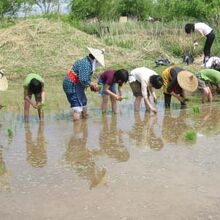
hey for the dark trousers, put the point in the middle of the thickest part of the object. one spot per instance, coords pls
(167, 99)
(208, 44)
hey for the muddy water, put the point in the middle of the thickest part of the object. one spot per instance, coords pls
(129, 166)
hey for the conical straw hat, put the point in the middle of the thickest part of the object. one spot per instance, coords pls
(187, 81)
(98, 54)
(3, 81)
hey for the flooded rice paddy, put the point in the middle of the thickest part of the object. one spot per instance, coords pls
(116, 167)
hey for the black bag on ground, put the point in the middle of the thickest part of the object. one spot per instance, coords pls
(188, 58)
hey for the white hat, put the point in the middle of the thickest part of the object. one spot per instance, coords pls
(187, 81)
(98, 54)
(3, 81)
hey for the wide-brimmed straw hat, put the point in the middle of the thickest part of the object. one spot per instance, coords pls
(3, 81)
(187, 81)
(98, 54)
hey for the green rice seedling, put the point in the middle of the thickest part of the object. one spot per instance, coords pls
(125, 97)
(43, 106)
(10, 133)
(196, 109)
(190, 135)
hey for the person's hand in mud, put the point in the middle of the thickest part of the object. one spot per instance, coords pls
(37, 105)
(40, 105)
(181, 99)
(118, 98)
(153, 110)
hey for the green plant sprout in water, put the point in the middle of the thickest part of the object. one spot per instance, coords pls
(190, 135)
(125, 97)
(10, 133)
(196, 109)
(43, 106)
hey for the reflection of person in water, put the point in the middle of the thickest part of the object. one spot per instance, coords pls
(174, 127)
(110, 140)
(2, 163)
(4, 177)
(36, 150)
(143, 132)
(208, 121)
(81, 158)
(138, 131)
(155, 142)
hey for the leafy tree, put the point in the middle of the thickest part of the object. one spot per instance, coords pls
(45, 6)
(141, 9)
(199, 9)
(101, 9)
(9, 7)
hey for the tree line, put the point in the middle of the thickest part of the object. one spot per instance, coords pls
(112, 9)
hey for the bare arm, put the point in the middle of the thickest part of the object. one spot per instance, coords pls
(27, 98)
(153, 93)
(109, 92)
(42, 96)
(149, 105)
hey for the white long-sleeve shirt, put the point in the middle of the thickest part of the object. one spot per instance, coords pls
(142, 75)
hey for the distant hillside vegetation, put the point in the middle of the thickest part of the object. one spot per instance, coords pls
(49, 47)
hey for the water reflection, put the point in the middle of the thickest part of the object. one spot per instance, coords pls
(143, 132)
(81, 158)
(36, 150)
(208, 120)
(111, 141)
(174, 127)
(4, 175)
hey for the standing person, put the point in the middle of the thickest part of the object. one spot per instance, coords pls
(208, 78)
(175, 81)
(79, 78)
(205, 31)
(33, 85)
(108, 81)
(3, 83)
(143, 81)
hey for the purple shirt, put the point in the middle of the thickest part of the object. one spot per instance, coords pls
(107, 77)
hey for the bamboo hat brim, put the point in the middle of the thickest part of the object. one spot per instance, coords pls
(187, 81)
(98, 54)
